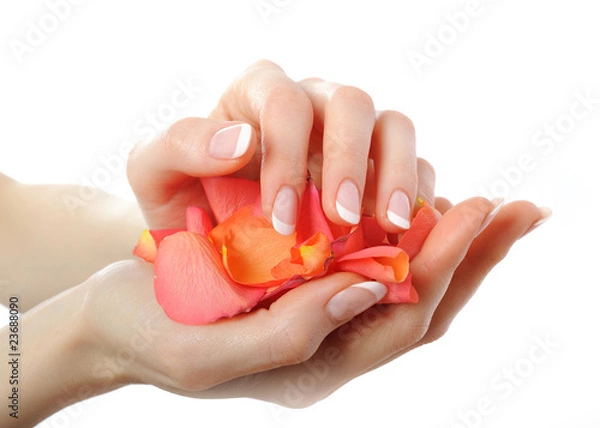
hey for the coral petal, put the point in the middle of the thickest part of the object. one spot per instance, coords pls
(226, 195)
(312, 219)
(415, 236)
(383, 263)
(198, 221)
(191, 285)
(352, 242)
(373, 233)
(401, 292)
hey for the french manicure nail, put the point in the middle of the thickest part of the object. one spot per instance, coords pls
(285, 209)
(497, 203)
(398, 211)
(231, 142)
(348, 202)
(546, 214)
(355, 299)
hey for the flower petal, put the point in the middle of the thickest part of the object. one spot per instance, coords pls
(373, 233)
(191, 285)
(251, 248)
(307, 259)
(149, 242)
(401, 292)
(421, 225)
(198, 221)
(226, 195)
(383, 263)
(352, 242)
(311, 218)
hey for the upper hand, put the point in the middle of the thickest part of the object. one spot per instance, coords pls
(268, 127)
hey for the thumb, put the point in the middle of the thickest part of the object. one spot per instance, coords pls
(194, 147)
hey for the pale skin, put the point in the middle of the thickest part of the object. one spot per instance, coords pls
(86, 333)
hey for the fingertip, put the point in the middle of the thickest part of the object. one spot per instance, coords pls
(348, 202)
(351, 301)
(231, 142)
(285, 211)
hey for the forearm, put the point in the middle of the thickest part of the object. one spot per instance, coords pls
(50, 238)
(49, 358)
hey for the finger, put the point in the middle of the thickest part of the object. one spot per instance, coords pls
(267, 98)
(488, 249)
(426, 182)
(288, 333)
(383, 331)
(442, 204)
(160, 169)
(346, 116)
(394, 153)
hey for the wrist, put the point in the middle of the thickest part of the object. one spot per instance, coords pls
(57, 354)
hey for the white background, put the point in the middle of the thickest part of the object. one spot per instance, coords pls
(491, 85)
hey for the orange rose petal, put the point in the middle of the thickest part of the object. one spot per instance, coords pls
(423, 222)
(191, 284)
(252, 248)
(226, 195)
(198, 221)
(146, 247)
(218, 234)
(307, 259)
(383, 263)
(149, 241)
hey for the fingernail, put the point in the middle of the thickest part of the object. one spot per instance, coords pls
(497, 203)
(399, 209)
(546, 214)
(285, 209)
(354, 300)
(231, 142)
(348, 202)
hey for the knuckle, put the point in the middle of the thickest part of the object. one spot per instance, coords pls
(291, 345)
(262, 64)
(435, 332)
(354, 96)
(289, 98)
(399, 120)
(425, 166)
(176, 139)
(417, 332)
(311, 81)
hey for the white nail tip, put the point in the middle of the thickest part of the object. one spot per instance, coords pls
(346, 214)
(281, 227)
(243, 140)
(377, 288)
(397, 220)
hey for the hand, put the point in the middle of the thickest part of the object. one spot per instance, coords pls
(270, 354)
(268, 127)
